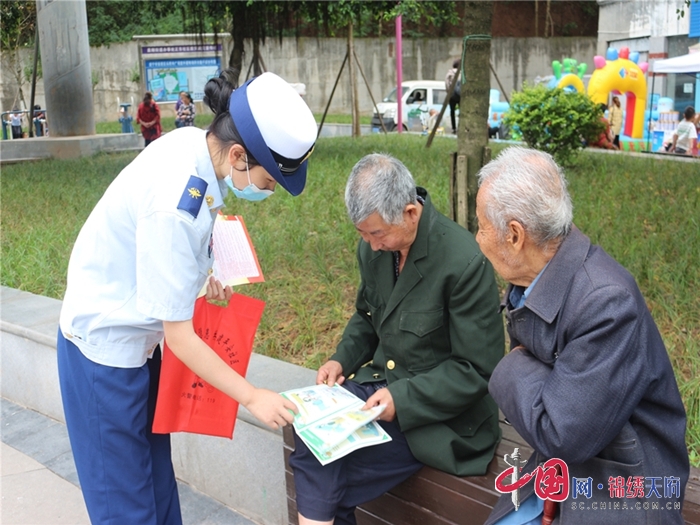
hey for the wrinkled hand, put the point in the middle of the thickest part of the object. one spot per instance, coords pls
(271, 408)
(382, 397)
(217, 292)
(330, 373)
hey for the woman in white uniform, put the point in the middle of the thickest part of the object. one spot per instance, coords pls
(134, 274)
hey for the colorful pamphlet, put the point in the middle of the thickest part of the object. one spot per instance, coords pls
(331, 421)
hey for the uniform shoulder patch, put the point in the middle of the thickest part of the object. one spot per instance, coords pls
(193, 196)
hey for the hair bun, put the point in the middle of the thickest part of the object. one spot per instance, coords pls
(217, 91)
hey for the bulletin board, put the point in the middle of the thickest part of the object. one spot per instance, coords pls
(166, 78)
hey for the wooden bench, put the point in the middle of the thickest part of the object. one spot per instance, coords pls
(432, 497)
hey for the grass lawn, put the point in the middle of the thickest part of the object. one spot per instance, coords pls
(643, 211)
(204, 119)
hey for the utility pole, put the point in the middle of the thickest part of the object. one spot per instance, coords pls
(65, 61)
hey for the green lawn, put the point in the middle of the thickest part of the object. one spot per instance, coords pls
(643, 211)
(204, 119)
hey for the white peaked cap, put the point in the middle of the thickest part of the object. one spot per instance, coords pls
(276, 126)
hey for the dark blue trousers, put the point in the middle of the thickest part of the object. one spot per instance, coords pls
(125, 471)
(334, 490)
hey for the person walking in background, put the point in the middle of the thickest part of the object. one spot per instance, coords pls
(135, 271)
(685, 137)
(186, 111)
(148, 115)
(615, 117)
(453, 72)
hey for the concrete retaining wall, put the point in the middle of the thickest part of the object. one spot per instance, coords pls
(314, 62)
(246, 473)
(67, 147)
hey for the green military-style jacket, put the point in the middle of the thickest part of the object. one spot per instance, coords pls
(435, 335)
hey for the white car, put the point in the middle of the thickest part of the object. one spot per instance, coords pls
(421, 96)
(418, 98)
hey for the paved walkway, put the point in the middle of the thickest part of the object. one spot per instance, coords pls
(39, 484)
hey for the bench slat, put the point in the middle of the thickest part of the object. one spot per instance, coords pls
(433, 497)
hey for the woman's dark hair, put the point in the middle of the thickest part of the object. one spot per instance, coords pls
(147, 98)
(217, 93)
(457, 63)
(189, 97)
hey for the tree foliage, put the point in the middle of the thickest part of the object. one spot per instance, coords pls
(257, 20)
(680, 13)
(111, 21)
(18, 24)
(554, 120)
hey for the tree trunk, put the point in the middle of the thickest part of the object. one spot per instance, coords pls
(549, 22)
(238, 12)
(353, 84)
(257, 69)
(472, 138)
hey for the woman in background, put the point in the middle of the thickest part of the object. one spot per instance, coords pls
(186, 111)
(148, 115)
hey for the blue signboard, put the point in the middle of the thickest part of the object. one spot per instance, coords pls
(166, 78)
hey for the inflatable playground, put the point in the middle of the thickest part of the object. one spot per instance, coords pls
(620, 73)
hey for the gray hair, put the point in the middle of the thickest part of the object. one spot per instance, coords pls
(379, 183)
(527, 186)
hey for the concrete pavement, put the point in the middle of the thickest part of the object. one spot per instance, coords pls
(39, 484)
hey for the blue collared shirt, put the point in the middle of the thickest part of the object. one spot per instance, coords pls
(518, 294)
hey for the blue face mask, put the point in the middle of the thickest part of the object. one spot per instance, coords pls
(251, 192)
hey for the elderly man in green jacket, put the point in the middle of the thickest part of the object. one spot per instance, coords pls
(424, 339)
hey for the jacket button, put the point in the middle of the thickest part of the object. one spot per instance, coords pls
(375, 376)
(390, 364)
(351, 376)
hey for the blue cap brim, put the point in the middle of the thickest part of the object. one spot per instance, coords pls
(253, 141)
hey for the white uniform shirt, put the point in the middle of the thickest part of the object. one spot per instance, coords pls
(139, 259)
(685, 131)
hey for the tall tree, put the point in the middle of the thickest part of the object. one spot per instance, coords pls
(18, 29)
(472, 138)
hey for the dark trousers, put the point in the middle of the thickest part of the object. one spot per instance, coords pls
(334, 490)
(454, 102)
(125, 471)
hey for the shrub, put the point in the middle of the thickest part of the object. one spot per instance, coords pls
(554, 120)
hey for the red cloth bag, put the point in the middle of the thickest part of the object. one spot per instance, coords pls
(185, 402)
